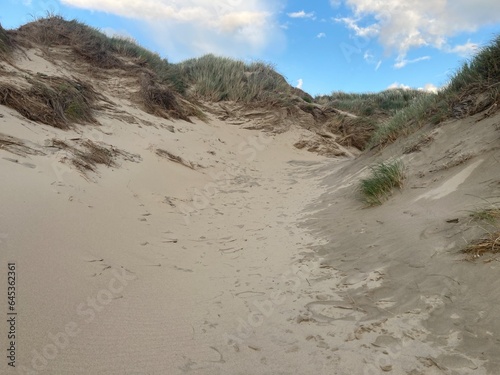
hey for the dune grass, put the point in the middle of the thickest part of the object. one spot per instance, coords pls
(54, 101)
(209, 77)
(405, 121)
(488, 220)
(97, 48)
(218, 78)
(372, 110)
(5, 43)
(384, 178)
(367, 104)
(490, 215)
(479, 76)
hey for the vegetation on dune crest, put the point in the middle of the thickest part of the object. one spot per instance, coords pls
(218, 78)
(166, 89)
(475, 87)
(209, 77)
(367, 104)
(5, 43)
(370, 110)
(405, 121)
(384, 178)
(97, 48)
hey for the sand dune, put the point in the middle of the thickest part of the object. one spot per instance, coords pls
(146, 245)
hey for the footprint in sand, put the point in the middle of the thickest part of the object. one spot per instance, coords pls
(455, 361)
(371, 280)
(327, 311)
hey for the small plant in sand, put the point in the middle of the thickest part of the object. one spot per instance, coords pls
(384, 178)
(417, 145)
(488, 219)
(489, 215)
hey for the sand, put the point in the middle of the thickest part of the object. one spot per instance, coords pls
(248, 257)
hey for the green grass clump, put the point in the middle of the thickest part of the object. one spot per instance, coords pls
(489, 215)
(384, 178)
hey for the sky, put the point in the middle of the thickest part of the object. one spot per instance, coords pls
(320, 46)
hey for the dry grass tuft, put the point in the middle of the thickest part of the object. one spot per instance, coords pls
(353, 131)
(88, 155)
(490, 243)
(321, 146)
(91, 155)
(54, 101)
(457, 160)
(172, 157)
(16, 146)
(422, 141)
(160, 100)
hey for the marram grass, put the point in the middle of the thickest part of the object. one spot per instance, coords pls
(480, 75)
(384, 178)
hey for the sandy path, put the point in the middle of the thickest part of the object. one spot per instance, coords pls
(115, 279)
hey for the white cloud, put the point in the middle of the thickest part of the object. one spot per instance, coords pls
(465, 50)
(352, 23)
(402, 62)
(403, 25)
(397, 85)
(121, 34)
(378, 65)
(428, 87)
(188, 27)
(321, 35)
(300, 83)
(335, 3)
(301, 14)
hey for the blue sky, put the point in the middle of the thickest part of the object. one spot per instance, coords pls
(319, 45)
